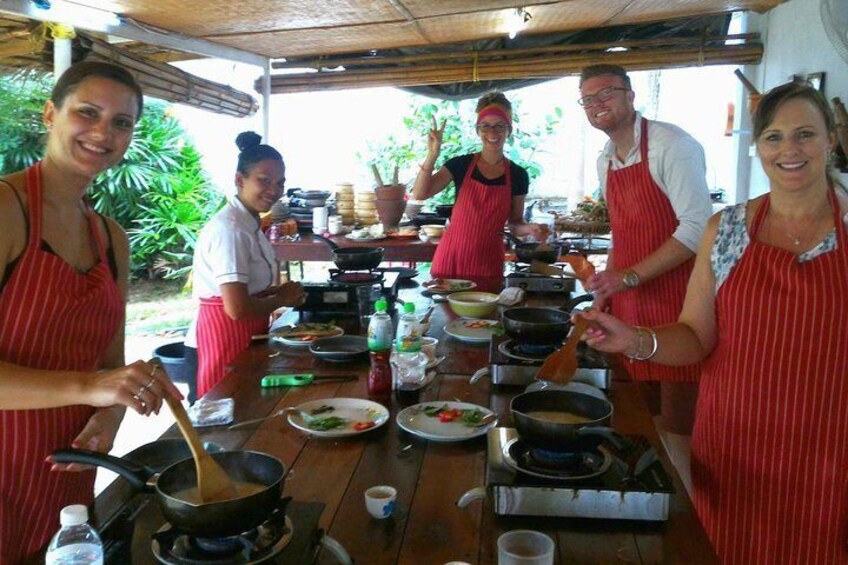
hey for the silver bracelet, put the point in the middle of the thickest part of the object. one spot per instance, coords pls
(654, 345)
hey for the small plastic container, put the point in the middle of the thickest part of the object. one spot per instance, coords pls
(211, 412)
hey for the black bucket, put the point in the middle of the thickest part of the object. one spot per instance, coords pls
(173, 358)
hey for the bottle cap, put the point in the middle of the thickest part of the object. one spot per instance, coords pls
(73, 515)
(381, 305)
(408, 307)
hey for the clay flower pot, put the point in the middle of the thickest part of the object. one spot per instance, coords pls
(390, 191)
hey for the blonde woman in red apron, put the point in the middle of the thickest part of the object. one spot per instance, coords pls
(235, 272)
(766, 307)
(490, 193)
(63, 281)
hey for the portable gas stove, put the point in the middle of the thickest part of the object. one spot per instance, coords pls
(522, 278)
(512, 364)
(338, 295)
(289, 535)
(626, 484)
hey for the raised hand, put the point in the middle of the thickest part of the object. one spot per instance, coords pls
(434, 139)
(140, 386)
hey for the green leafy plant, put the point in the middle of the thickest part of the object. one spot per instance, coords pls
(460, 137)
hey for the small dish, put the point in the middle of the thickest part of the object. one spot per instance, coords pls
(415, 420)
(353, 410)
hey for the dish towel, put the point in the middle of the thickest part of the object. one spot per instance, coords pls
(511, 296)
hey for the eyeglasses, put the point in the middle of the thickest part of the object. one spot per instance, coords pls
(603, 95)
(497, 128)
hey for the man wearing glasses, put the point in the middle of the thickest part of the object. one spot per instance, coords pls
(652, 175)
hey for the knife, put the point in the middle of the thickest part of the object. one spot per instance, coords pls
(302, 379)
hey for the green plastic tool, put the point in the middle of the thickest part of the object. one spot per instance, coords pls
(300, 379)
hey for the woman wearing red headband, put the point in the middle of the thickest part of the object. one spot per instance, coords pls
(489, 193)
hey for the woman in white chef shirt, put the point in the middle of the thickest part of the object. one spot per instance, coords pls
(235, 270)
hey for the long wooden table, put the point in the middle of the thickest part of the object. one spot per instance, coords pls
(427, 527)
(309, 248)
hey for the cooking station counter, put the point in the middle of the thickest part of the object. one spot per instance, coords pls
(427, 526)
(309, 248)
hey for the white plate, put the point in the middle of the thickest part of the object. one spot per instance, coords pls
(432, 363)
(451, 285)
(458, 329)
(416, 422)
(280, 335)
(365, 238)
(353, 409)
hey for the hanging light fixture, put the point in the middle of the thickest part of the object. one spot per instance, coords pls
(517, 21)
(73, 14)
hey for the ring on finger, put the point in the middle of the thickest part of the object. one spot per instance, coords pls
(153, 371)
(151, 382)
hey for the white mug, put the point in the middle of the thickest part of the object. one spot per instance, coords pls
(319, 217)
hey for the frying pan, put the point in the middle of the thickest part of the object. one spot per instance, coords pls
(541, 326)
(556, 436)
(529, 252)
(213, 519)
(355, 258)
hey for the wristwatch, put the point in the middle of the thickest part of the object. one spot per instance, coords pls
(630, 279)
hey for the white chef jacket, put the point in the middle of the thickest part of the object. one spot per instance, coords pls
(678, 166)
(231, 248)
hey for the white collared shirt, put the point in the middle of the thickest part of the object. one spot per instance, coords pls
(231, 248)
(678, 166)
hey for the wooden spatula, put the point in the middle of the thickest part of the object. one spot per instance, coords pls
(561, 365)
(213, 482)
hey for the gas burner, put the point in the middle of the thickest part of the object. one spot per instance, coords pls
(171, 546)
(355, 277)
(525, 351)
(554, 465)
(522, 278)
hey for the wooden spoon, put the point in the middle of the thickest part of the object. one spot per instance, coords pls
(560, 366)
(213, 482)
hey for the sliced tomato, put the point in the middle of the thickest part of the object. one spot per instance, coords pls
(449, 415)
(361, 426)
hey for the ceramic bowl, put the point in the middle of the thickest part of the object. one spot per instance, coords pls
(473, 304)
(433, 230)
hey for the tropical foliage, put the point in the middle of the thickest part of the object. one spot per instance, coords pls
(460, 137)
(158, 192)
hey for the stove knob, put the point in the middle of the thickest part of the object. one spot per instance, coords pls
(522, 285)
(558, 286)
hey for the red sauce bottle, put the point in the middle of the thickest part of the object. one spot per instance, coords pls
(380, 375)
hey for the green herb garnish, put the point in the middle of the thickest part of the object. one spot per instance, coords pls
(325, 424)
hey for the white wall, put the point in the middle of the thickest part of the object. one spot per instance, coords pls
(795, 44)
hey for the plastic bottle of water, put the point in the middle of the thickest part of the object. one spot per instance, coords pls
(380, 328)
(410, 363)
(76, 542)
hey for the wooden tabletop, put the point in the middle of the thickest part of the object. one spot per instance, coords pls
(309, 248)
(428, 526)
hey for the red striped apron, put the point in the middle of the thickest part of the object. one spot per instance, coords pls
(52, 317)
(219, 341)
(642, 219)
(471, 247)
(770, 446)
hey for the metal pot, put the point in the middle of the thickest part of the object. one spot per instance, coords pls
(556, 436)
(541, 326)
(529, 252)
(355, 258)
(213, 519)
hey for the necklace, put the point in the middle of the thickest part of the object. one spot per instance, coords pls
(797, 238)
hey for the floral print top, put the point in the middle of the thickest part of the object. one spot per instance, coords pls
(732, 240)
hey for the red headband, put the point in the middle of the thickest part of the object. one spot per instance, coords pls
(495, 110)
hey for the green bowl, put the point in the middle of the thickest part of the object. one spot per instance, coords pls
(473, 304)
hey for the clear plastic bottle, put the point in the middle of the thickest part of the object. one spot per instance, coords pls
(76, 542)
(410, 362)
(380, 328)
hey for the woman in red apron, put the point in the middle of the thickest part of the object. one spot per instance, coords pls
(490, 193)
(63, 279)
(235, 272)
(768, 303)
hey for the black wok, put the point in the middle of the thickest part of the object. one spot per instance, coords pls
(541, 326)
(355, 258)
(214, 519)
(529, 252)
(556, 436)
